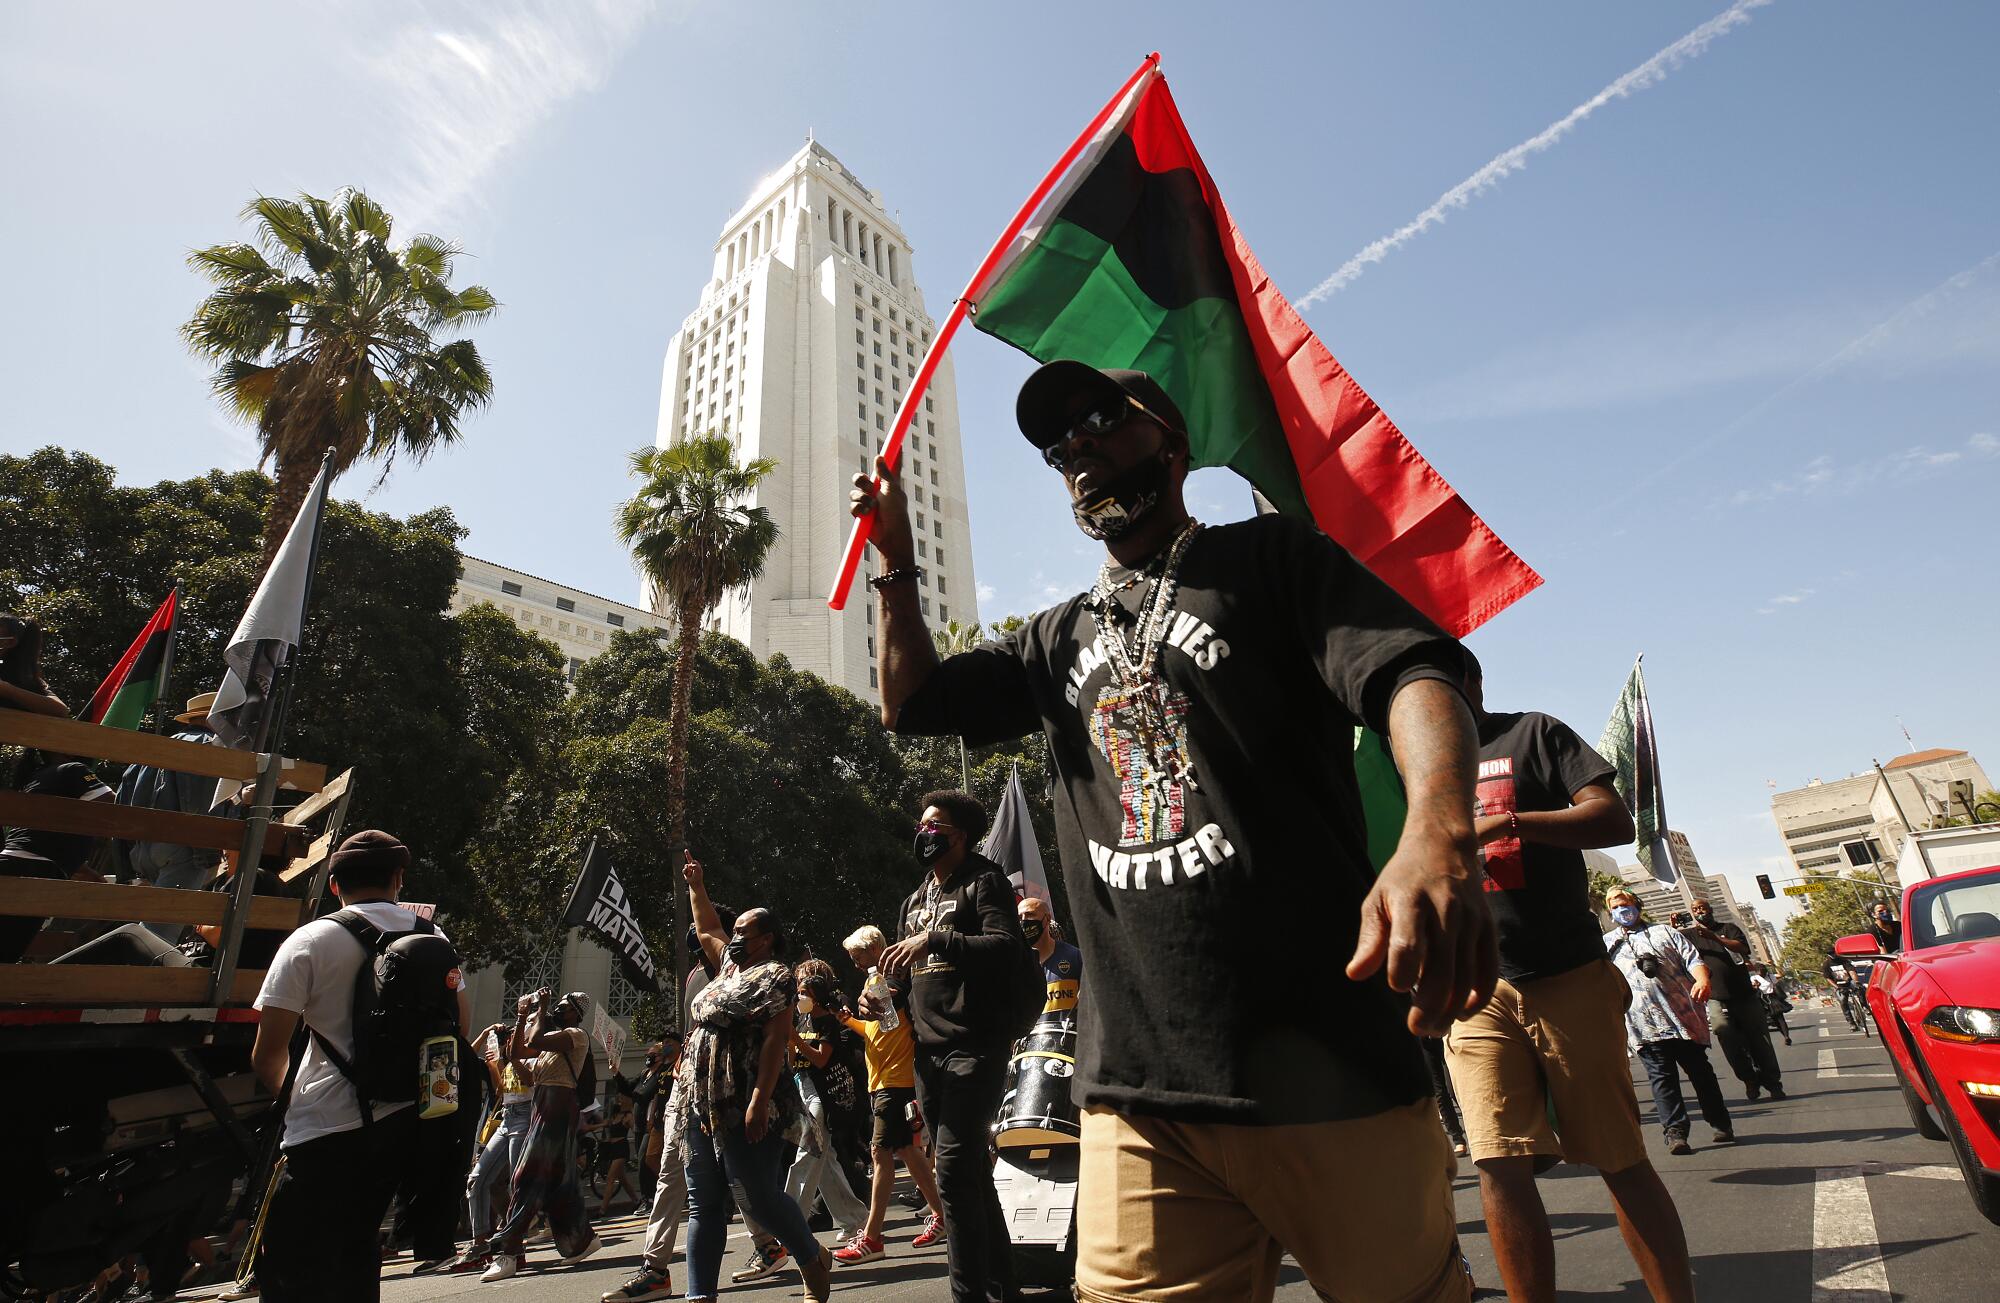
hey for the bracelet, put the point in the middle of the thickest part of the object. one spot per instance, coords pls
(902, 574)
(1514, 822)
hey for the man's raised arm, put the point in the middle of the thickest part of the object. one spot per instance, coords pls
(908, 656)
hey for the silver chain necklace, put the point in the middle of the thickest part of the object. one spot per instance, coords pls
(1136, 665)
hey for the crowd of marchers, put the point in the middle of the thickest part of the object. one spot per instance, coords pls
(1227, 1111)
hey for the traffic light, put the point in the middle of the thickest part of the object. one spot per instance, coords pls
(1764, 885)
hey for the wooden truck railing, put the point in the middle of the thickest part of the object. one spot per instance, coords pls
(295, 843)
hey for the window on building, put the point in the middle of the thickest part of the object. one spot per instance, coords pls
(510, 588)
(921, 549)
(543, 970)
(920, 520)
(859, 315)
(934, 475)
(924, 578)
(614, 619)
(878, 423)
(878, 395)
(871, 683)
(574, 666)
(876, 325)
(870, 608)
(878, 348)
(860, 384)
(621, 998)
(894, 338)
(861, 410)
(871, 646)
(875, 302)
(940, 577)
(927, 605)
(930, 427)
(878, 370)
(944, 612)
(565, 604)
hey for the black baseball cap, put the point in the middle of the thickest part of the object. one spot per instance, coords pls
(1043, 411)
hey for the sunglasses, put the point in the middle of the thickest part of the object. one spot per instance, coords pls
(1096, 423)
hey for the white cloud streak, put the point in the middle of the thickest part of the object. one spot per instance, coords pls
(1649, 73)
(457, 97)
(1823, 476)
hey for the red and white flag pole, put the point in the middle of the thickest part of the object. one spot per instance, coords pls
(892, 451)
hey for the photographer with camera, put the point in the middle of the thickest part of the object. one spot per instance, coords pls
(1666, 1024)
(1738, 1014)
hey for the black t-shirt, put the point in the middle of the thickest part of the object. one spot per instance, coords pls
(1540, 894)
(1217, 914)
(67, 851)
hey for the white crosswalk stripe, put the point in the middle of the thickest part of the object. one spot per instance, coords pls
(1847, 1264)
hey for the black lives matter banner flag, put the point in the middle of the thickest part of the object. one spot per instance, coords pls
(598, 904)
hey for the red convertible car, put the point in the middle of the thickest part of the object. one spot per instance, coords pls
(1938, 1007)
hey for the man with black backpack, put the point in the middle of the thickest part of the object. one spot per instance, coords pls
(371, 984)
(974, 986)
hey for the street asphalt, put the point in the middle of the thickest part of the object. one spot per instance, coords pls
(1828, 1196)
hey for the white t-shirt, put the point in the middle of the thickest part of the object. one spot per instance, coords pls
(313, 974)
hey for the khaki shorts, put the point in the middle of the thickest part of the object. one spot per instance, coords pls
(1541, 1071)
(1203, 1212)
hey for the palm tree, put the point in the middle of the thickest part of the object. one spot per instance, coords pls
(951, 640)
(694, 539)
(325, 337)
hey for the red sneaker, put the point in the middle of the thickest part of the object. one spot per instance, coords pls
(932, 1234)
(861, 1248)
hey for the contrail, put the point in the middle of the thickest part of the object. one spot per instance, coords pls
(1646, 74)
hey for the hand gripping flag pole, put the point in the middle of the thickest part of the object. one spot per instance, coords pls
(892, 451)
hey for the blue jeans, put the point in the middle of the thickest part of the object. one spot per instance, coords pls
(759, 1170)
(1665, 1061)
(496, 1165)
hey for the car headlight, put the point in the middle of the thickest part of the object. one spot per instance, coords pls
(1963, 1023)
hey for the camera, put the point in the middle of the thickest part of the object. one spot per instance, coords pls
(1682, 919)
(1649, 965)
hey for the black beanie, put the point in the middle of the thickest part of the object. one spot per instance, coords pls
(369, 859)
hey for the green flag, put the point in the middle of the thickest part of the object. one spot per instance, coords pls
(1629, 745)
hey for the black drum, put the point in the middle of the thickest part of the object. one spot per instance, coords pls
(1037, 1109)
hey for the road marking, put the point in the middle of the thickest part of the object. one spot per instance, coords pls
(1847, 1262)
(1829, 1069)
(1927, 1171)
(1825, 1030)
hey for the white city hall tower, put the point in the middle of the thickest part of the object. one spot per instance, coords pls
(806, 339)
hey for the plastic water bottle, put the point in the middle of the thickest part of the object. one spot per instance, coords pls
(877, 988)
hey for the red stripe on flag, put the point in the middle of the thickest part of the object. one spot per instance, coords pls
(1369, 488)
(107, 691)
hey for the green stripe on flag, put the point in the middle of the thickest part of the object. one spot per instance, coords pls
(1072, 297)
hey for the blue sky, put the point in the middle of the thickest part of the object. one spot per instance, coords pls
(1720, 360)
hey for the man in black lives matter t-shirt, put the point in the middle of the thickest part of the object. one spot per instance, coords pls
(1200, 705)
(1552, 1039)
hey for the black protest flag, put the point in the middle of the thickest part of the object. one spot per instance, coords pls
(598, 904)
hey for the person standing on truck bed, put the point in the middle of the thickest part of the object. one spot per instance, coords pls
(340, 1173)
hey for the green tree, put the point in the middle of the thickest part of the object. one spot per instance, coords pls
(326, 336)
(952, 639)
(1838, 910)
(695, 539)
(1602, 884)
(434, 712)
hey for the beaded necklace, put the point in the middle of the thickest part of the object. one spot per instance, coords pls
(1136, 664)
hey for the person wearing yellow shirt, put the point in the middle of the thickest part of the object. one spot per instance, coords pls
(892, 1088)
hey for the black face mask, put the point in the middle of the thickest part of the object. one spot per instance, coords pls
(1031, 928)
(930, 847)
(738, 951)
(1116, 509)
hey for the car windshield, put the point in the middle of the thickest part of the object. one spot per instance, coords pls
(1964, 909)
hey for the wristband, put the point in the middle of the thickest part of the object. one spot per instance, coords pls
(902, 574)
(1514, 822)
